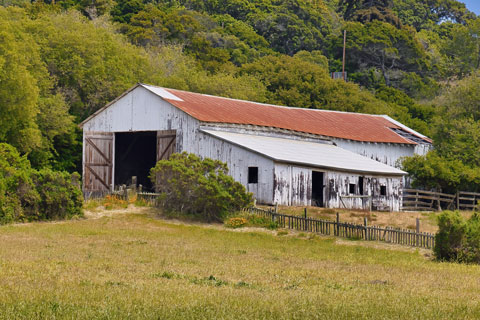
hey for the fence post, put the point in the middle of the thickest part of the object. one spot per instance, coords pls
(305, 226)
(337, 227)
(365, 227)
(458, 200)
(417, 228)
(125, 193)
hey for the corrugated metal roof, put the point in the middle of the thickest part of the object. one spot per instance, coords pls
(306, 153)
(345, 125)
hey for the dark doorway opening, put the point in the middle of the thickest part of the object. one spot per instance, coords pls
(360, 186)
(135, 155)
(317, 189)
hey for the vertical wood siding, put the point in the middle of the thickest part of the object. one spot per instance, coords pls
(387, 153)
(292, 185)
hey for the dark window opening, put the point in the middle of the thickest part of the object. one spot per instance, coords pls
(383, 190)
(360, 186)
(252, 174)
(135, 155)
(317, 189)
(352, 188)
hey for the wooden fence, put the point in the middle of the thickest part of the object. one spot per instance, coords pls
(349, 230)
(418, 200)
(148, 197)
(467, 200)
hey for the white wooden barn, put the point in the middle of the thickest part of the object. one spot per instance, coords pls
(288, 156)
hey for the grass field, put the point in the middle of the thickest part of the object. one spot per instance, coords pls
(135, 266)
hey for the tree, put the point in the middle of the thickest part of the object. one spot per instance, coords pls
(365, 11)
(292, 81)
(381, 46)
(429, 13)
(33, 113)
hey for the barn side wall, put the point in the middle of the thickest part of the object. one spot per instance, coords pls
(337, 191)
(387, 153)
(238, 160)
(293, 186)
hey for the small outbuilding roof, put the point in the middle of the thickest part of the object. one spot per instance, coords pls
(310, 154)
(336, 124)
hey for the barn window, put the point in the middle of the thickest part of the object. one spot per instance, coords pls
(352, 188)
(383, 190)
(252, 174)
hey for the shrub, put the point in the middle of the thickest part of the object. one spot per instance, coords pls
(189, 185)
(27, 194)
(60, 194)
(458, 239)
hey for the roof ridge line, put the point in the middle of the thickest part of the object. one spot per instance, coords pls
(267, 104)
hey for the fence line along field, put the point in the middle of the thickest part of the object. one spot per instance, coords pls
(137, 266)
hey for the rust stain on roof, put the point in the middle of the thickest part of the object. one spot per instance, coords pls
(351, 126)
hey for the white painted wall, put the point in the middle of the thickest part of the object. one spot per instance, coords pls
(337, 184)
(293, 186)
(387, 153)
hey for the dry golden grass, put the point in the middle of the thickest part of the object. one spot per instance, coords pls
(404, 220)
(135, 266)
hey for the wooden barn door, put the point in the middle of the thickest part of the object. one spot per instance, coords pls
(98, 163)
(166, 143)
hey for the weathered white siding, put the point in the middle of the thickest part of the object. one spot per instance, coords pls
(387, 153)
(238, 160)
(141, 110)
(337, 191)
(293, 186)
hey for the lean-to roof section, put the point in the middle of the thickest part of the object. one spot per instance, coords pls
(344, 125)
(309, 154)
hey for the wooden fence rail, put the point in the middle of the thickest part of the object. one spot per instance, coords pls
(349, 230)
(418, 200)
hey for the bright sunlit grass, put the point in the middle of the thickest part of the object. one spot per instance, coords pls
(138, 267)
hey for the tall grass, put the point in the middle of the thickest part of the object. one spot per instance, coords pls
(139, 267)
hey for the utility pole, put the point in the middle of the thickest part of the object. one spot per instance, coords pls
(344, 44)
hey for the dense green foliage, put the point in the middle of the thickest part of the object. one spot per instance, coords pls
(29, 195)
(198, 188)
(417, 62)
(458, 239)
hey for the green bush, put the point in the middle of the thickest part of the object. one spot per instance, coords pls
(27, 194)
(199, 188)
(458, 239)
(60, 194)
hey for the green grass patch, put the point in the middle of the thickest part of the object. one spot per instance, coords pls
(139, 267)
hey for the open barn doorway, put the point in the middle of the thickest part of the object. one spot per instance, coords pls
(317, 189)
(135, 155)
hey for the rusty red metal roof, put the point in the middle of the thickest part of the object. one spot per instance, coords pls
(344, 125)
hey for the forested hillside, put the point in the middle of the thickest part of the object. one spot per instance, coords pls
(416, 61)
